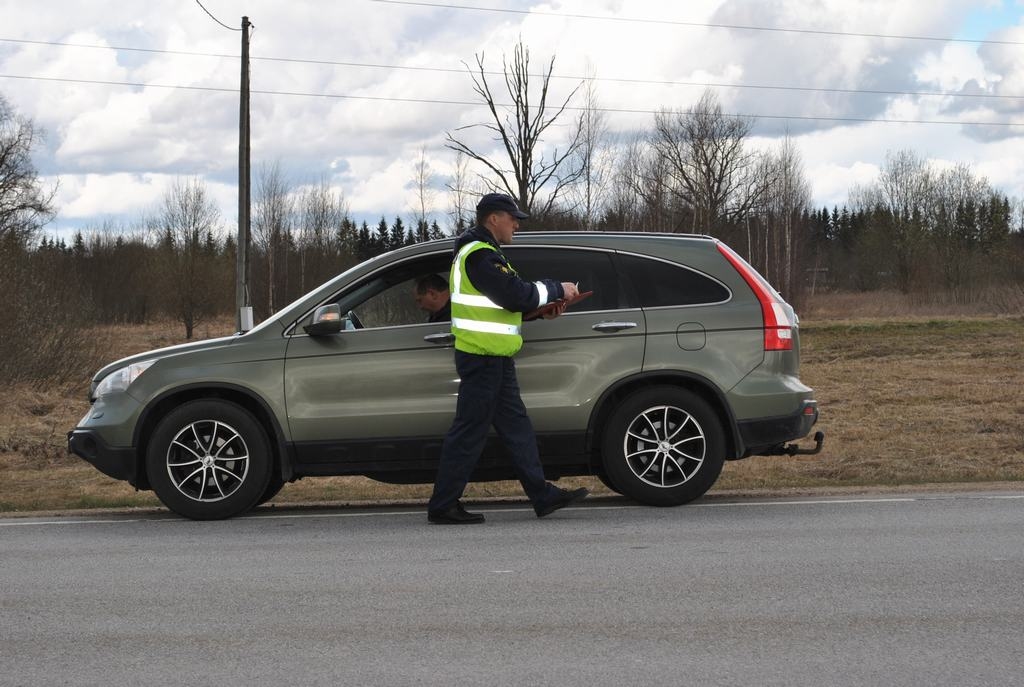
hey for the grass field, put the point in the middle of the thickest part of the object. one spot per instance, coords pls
(906, 398)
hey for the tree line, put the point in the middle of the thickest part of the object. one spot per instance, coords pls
(180, 262)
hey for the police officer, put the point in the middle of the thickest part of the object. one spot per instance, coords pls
(488, 301)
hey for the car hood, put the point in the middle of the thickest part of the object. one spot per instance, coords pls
(164, 352)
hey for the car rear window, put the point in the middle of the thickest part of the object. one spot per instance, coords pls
(659, 283)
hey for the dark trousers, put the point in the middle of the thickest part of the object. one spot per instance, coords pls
(488, 395)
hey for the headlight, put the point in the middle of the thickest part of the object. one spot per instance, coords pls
(119, 380)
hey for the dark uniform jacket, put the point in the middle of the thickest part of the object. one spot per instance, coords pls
(491, 274)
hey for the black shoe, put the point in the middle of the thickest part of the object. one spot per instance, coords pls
(563, 499)
(456, 515)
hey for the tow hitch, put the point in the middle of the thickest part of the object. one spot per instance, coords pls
(795, 450)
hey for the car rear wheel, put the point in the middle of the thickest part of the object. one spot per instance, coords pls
(663, 446)
(209, 460)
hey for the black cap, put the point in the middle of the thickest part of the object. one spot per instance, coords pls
(492, 202)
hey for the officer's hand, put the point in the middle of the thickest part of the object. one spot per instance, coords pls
(570, 290)
(556, 311)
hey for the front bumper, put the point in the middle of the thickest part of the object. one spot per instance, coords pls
(764, 435)
(118, 463)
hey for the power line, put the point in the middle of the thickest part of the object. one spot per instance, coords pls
(230, 28)
(464, 103)
(443, 70)
(217, 89)
(669, 22)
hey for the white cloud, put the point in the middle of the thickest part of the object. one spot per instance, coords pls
(831, 183)
(89, 195)
(85, 196)
(952, 67)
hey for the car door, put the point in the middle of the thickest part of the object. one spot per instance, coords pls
(568, 362)
(382, 391)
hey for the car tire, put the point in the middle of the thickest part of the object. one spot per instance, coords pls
(209, 460)
(607, 482)
(274, 486)
(663, 446)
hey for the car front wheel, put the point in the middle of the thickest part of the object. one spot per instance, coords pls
(209, 460)
(663, 446)
(274, 486)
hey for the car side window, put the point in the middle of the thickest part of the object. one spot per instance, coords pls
(392, 307)
(593, 270)
(387, 299)
(659, 283)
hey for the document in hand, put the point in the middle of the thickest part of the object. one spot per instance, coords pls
(549, 308)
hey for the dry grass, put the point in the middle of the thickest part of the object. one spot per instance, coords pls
(1008, 300)
(905, 400)
(908, 402)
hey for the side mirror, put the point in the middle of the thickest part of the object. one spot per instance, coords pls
(326, 321)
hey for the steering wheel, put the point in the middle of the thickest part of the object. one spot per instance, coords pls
(354, 319)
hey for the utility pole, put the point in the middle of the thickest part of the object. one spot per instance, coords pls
(242, 304)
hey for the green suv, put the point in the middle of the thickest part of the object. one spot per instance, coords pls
(683, 357)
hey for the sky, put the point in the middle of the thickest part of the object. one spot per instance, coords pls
(339, 87)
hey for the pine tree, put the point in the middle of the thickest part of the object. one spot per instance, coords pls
(383, 238)
(364, 242)
(397, 239)
(210, 245)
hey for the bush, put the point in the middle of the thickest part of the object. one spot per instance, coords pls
(43, 316)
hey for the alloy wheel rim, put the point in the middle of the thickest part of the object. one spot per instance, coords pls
(664, 446)
(207, 461)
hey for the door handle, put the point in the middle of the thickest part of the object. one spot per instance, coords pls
(443, 339)
(613, 326)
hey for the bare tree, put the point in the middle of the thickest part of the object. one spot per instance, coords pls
(187, 216)
(901, 194)
(25, 205)
(623, 201)
(788, 197)
(422, 180)
(461, 195)
(641, 199)
(527, 170)
(321, 216)
(967, 221)
(711, 169)
(272, 221)
(592, 157)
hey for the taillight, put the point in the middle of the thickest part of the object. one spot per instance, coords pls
(778, 330)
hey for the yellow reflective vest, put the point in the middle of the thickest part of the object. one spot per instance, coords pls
(480, 325)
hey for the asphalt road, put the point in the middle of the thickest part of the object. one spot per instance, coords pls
(888, 590)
